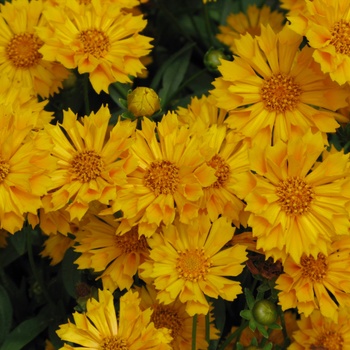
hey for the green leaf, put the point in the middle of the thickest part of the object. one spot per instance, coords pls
(246, 314)
(26, 331)
(19, 240)
(5, 314)
(262, 330)
(249, 298)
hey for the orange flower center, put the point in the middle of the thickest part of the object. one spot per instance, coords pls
(86, 165)
(193, 265)
(166, 316)
(162, 177)
(130, 242)
(94, 42)
(22, 50)
(280, 93)
(84, 2)
(295, 195)
(314, 269)
(4, 170)
(329, 340)
(341, 37)
(222, 171)
(114, 343)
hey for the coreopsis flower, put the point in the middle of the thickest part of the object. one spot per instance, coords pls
(116, 256)
(319, 332)
(143, 102)
(321, 283)
(92, 160)
(294, 7)
(249, 22)
(99, 327)
(174, 317)
(20, 59)
(25, 163)
(297, 203)
(100, 39)
(190, 262)
(276, 89)
(326, 26)
(169, 179)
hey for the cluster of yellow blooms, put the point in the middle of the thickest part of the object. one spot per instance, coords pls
(163, 200)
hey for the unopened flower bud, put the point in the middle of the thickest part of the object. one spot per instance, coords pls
(143, 102)
(212, 59)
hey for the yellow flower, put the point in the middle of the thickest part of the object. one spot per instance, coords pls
(190, 262)
(101, 40)
(326, 26)
(20, 58)
(250, 22)
(143, 102)
(320, 332)
(174, 317)
(321, 283)
(297, 203)
(170, 177)
(276, 89)
(294, 7)
(116, 256)
(99, 329)
(25, 162)
(91, 160)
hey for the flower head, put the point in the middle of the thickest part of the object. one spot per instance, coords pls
(297, 202)
(91, 160)
(320, 283)
(191, 262)
(100, 39)
(20, 59)
(99, 328)
(326, 26)
(276, 89)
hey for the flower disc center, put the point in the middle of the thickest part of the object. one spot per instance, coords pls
(22, 50)
(165, 316)
(162, 177)
(280, 93)
(114, 343)
(330, 339)
(295, 195)
(314, 269)
(87, 165)
(95, 42)
(222, 171)
(4, 170)
(341, 37)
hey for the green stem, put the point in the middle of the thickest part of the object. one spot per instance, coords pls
(194, 332)
(86, 93)
(208, 25)
(34, 269)
(234, 335)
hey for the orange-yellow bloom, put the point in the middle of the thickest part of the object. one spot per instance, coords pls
(277, 89)
(190, 262)
(20, 59)
(169, 179)
(100, 39)
(99, 327)
(297, 202)
(321, 283)
(92, 160)
(326, 26)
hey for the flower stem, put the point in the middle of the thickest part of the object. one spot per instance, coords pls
(234, 335)
(194, 332)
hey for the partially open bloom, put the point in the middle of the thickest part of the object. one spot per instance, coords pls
(99, 327)
(174, 317)
(91, 159)
(326, 26)
(55, 247)
(20, 59)
(249, 22)
(319, 332)
(115, 256)
(276, 89)
(191, 261)
(321, 283)
(100, 39)
(297, 202)
(169, 178)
